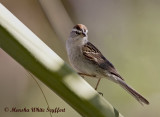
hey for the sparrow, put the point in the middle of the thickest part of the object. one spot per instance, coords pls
(87, 60)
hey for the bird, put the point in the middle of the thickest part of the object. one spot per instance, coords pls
(87, 60)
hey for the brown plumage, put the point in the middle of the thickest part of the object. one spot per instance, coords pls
(87, 60)
(80, 27)
(93, 54)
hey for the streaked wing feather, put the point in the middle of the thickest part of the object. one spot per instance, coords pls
(93, 54)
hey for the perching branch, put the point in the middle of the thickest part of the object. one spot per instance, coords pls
(27, 49)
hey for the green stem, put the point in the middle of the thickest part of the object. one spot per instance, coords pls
(27, 49)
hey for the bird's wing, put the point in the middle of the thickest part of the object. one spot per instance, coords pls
(91, 53)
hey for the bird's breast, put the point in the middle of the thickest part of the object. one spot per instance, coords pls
(79, 62)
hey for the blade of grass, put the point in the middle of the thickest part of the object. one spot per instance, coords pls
(27, 49)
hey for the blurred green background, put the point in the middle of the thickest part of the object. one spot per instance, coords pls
(126, 31)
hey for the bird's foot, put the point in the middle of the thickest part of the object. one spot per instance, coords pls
(100, 93)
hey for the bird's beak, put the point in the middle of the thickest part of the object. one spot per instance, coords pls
(84, 34)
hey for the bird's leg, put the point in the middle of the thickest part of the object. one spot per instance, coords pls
(97, 83)
(83, 74)
(97, 86)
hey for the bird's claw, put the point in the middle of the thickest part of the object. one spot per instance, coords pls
(100, 93)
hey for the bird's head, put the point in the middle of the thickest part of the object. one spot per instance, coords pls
(79, 31)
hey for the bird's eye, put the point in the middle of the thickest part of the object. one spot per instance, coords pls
(77, 32)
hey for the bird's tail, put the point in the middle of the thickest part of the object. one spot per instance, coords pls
(133, 92)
